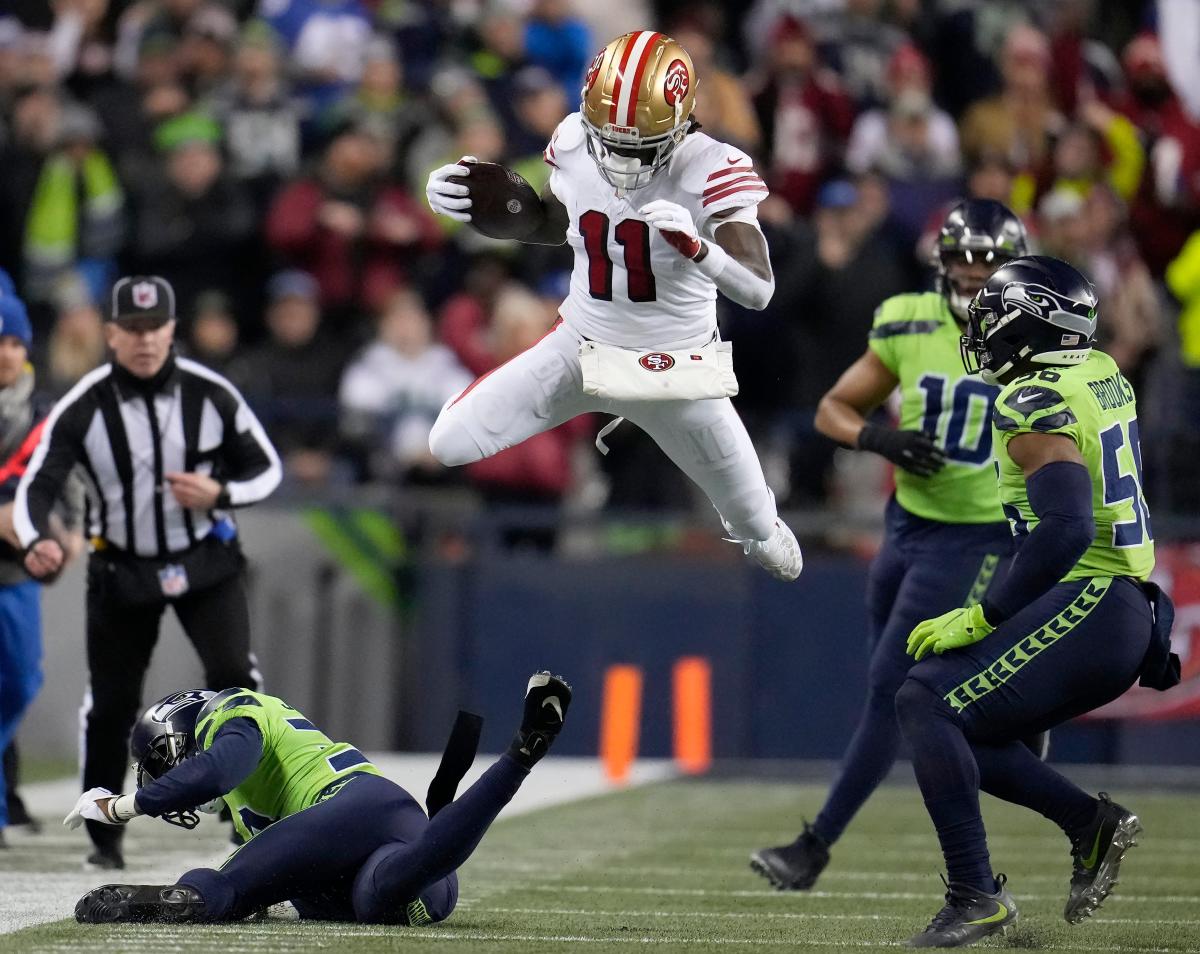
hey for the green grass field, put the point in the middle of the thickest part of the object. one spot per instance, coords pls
(666, 866)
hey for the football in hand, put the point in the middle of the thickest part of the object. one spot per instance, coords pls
(503, 204)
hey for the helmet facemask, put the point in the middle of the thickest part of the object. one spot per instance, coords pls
(627, 160)
(166, 752)
(957, 300)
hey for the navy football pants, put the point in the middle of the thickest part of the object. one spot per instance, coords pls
(924, 569)
(1076, 648)
(368, 853)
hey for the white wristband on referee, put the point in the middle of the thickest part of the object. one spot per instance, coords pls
(124, 807)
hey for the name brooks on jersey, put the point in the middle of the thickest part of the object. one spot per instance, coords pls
(628, 286)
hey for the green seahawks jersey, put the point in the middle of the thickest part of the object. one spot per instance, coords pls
(916, 337)
(298, 764)
(1094, 405)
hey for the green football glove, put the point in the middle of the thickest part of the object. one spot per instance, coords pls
(960, 627)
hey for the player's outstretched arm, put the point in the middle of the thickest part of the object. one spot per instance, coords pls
(842, 416)
(448, 195)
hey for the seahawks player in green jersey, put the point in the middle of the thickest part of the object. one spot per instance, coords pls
(946, 537)
(1072, 625)
(325, 830)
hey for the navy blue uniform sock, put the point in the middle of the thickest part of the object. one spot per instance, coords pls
(1012, 772)
(399, 873)
(949, 779)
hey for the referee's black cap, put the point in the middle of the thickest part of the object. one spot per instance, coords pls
(143, 296)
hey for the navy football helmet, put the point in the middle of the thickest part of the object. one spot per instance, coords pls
(976, 230)
(163, 737)
(1035, 310)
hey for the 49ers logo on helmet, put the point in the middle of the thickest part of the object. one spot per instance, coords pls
(656, 361)
(676, 82)
(593, 71)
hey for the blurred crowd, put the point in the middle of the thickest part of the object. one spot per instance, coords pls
(269, 158)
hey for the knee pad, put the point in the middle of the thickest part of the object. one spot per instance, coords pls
(450, 443)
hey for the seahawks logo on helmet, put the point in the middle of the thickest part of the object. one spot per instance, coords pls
(1041, 302)
(1034, 310)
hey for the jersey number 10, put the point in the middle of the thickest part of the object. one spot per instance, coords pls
(634, 236)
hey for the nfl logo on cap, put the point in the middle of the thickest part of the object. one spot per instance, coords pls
(145, 295)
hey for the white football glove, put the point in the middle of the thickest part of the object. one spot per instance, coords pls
(676, 225)
(88, 808)
(450, 198)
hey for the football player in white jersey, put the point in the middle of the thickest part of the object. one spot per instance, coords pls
(661, 216)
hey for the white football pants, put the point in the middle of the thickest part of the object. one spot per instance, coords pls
(543, 387)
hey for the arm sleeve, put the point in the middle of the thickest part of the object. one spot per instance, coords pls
(1060, 493)
(58, 451)
(229, 761)
(251, 467)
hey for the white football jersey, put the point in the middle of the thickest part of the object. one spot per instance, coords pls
(630, 287)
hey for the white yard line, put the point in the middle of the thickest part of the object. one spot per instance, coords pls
(42, 876)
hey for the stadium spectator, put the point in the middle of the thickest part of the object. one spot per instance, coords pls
(538, 470)
(466, 317)
(326, 42)
(358, 233)
(858, 42)
(558, 40)
(804, 115)
(206, 49)
(500, 55)
(260, 118)
(75, 205)
(291, 379)
(213, 334)
(846, 269)
(725, 110)
(193, 221)
(391, 393)
(76, 343)
(1021, 121)
(382, 99)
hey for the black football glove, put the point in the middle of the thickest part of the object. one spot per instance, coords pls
(915, 451)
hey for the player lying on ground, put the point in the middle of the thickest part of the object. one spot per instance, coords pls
(661, 218)
(326, 831)
(946, 539)
(1073, 624)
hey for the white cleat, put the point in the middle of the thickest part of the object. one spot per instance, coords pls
(779, 554)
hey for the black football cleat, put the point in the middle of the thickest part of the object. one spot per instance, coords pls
(140, 904)
(547, 698)
(1097, 855)
(106, 859)
(969, 915)
(793, 867)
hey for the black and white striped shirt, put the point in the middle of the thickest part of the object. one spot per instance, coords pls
(127, 436)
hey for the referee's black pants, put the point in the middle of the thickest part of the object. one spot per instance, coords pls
(120, 641)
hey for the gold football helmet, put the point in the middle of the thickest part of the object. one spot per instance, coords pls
(637, 102)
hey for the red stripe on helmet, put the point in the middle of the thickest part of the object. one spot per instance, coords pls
(631, 119)
(616, 90)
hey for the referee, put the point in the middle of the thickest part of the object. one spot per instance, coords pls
(168, 448)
